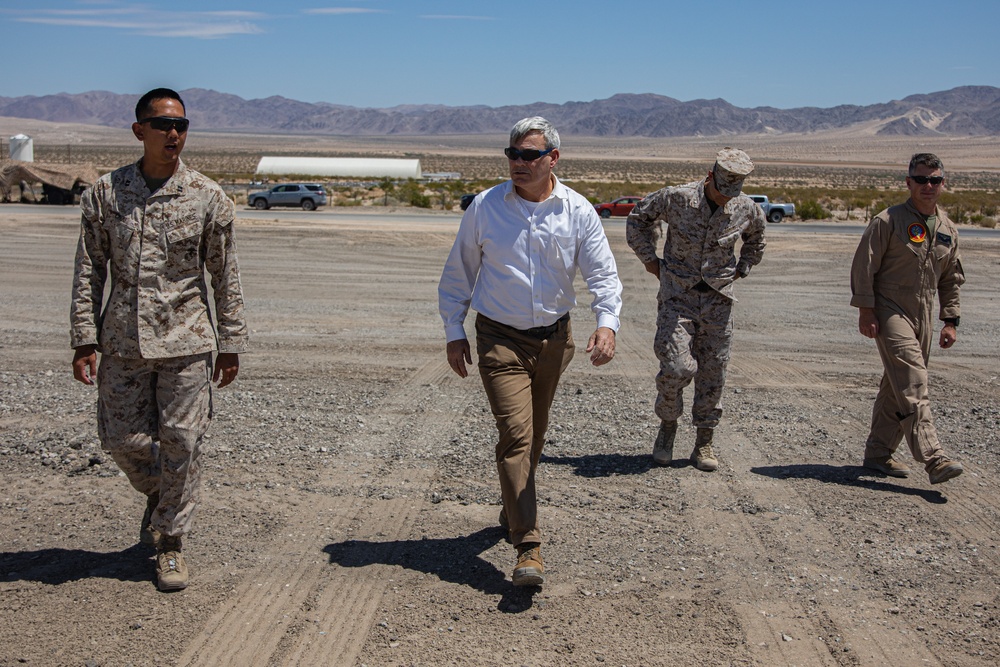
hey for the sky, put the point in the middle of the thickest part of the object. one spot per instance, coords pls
(384, 53)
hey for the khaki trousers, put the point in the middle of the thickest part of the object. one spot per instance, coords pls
(902, 408)
(520, 374)
(152, 415)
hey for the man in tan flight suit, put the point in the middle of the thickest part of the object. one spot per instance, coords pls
(907, 253)
(157, 226)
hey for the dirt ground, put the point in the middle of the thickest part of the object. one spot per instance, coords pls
(350, 496)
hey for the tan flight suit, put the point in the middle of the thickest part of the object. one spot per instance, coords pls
(156, 333)
(902, 261)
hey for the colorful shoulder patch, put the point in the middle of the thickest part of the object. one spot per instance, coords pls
(917, 232)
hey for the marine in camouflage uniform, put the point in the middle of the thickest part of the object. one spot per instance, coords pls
(157, 226)
(694, 327)
(907, 254)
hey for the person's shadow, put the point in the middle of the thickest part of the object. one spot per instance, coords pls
(847, 476)
(58, 566)
(603, 465)
(453, 559)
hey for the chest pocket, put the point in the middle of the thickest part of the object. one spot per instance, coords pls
(184, 245)
(183, 231)
(121, 231)
(562, 250)
(727, 239)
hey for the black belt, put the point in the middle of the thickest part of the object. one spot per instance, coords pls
(542, 333)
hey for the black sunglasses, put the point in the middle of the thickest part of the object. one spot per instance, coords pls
(167, 123)
(924, 180)
(528, 154)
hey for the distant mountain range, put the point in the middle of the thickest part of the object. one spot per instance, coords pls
(967, 110)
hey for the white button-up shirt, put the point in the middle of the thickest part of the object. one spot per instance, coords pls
(516, 265)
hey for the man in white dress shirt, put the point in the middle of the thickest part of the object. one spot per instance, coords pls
(514, 260)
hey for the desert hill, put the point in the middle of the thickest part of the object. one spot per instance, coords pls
(962, 111)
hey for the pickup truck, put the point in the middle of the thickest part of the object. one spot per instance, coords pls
(773, 212)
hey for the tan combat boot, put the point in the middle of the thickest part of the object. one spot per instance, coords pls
(171, 570)
(663, 448)
(529, 570)
(148, 534)
(887, 466)
(943, 469)
(703, 457)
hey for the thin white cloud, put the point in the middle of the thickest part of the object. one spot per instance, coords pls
(143, 20)
(338, 11)
(456, 17)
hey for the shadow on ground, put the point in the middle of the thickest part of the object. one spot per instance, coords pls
(848, 476)
(454, 559)
(58, 566)
(604, 465)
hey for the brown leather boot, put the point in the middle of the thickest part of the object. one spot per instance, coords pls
(529, 570)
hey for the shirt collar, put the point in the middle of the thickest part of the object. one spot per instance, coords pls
(173, 185)
(559, 191)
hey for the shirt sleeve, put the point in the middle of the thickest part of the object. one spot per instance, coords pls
(867, 261)
(754, 242)
(223, 267)
(642, 228)
(89, 274)
(949, 285)
(458, 278)
(600, 272)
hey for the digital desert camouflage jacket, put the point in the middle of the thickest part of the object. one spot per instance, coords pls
(158, 245)
(903, 260)
(698, 244)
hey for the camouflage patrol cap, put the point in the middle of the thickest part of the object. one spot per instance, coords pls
(731, 167)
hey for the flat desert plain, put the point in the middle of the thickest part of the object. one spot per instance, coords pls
(349, 501)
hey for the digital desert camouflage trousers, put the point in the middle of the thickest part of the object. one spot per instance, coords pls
(152, 415)
(694, 331)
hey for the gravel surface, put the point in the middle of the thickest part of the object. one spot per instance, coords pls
(350, 495)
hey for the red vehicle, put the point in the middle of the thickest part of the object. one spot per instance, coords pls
(621, 206)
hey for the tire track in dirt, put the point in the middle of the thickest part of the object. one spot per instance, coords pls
(844, 632)
(765, 631)
(296, 607)
(779, 628)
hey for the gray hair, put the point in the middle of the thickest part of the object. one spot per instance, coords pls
(929, 160)
(526, 126)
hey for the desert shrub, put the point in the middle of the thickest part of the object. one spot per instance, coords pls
(811, 210)
(412, 193)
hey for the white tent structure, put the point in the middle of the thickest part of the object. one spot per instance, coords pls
(22, 148)
(350, 167)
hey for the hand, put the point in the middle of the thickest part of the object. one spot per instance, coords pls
(653, 267)
(85, 364)
(868, 322)
(227, 366)
(601, 346)
(459, 354)
(949, 334)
